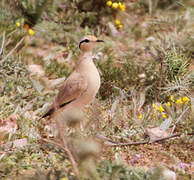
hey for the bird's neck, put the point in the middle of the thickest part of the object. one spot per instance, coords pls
(85, 63)
(85, 56)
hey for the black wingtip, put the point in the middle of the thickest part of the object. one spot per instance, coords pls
(51, 111)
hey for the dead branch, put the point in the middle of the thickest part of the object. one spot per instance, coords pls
(12, 51)
(179, 118)
(105, 138)
(112, 143)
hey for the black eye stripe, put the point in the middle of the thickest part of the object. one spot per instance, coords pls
(85, 40)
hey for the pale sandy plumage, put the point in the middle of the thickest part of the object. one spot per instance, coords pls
(83, 84)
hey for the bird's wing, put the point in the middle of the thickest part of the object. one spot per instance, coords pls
(74, 86)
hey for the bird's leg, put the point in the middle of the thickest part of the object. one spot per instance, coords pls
(58, 121)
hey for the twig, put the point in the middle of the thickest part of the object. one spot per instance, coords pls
(1, 156)
(3, 42)
(109, 143)
(125, 144)
(12, 51)
(134, 102)
(150, 6)
(105, 138)
(161, 71)
(179, 118)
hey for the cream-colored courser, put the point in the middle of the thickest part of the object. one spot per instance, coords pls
(82, 85)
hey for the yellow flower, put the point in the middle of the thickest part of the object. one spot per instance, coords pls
(18, 24)
(164, 116)
(179, 101)
(63, 178)
(168, 104)
(171, 98)
(122, 7)
(31, 32)
(160, 108)
(154, 106)
(185, 99)
(109, 3)
(115, 5)
(120, 26)
(140, 116)
(117, 22)
(120, 4)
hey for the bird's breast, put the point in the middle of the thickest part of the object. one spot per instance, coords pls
(93, 86)
(92, 77)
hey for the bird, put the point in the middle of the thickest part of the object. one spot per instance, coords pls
(80, 88)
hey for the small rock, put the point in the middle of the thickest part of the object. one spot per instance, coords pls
(36, 70)
(19, 143)
(169, 175)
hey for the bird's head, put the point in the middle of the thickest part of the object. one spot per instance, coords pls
(87, 43)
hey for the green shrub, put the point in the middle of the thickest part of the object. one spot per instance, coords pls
(177, 64)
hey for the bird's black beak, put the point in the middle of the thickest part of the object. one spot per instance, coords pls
(99, 40)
